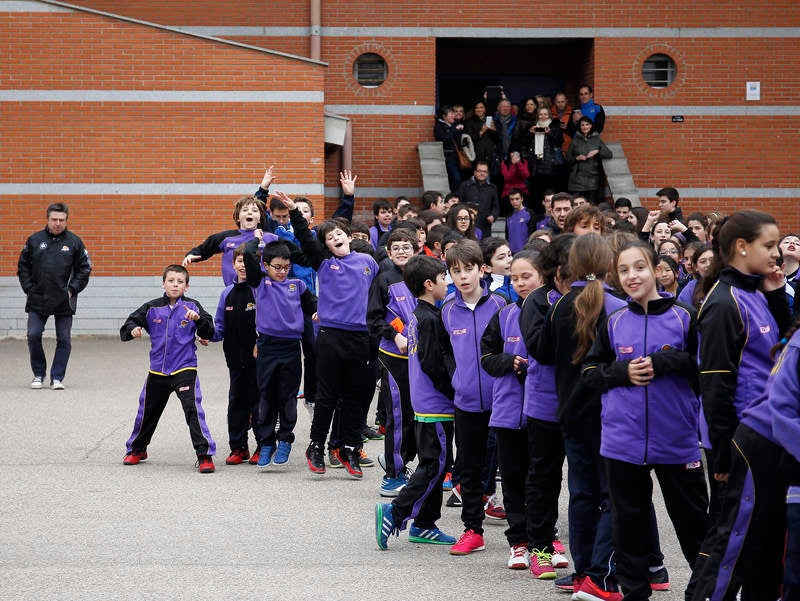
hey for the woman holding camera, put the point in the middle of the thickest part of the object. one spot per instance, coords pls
(542, 141)
(583, 157)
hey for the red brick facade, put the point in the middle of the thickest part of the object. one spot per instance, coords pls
(727, 153)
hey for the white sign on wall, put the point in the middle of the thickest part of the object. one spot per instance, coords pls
(753, 90)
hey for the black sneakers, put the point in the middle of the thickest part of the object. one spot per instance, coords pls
(350, 459)
(315, 456)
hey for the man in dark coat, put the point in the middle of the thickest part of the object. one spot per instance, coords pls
(53, 268)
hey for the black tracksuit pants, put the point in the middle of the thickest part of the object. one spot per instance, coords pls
(421, 498)
(344, 378)
(472, 432)
(153, 400)
(630, 489)
(399, 444)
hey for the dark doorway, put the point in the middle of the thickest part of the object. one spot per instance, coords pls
(523, 67)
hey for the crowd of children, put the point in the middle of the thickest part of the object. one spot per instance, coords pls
(625, 341)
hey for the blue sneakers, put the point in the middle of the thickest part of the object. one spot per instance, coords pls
(432, 536)
(384, 524)
(265, 457)
(391, 487)
(282, 454)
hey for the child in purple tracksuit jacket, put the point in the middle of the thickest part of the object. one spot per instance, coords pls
(465, 317)
(388, 312)
(430, 364)
(784, 399)
(344, 375)
(172, 321)
(739, 325)
(504, 356)
(281, 303)
(643, 360)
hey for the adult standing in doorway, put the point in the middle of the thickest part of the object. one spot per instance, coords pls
(53, 269)
(589, 108)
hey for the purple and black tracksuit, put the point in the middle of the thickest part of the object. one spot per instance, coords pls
(173, 368)
(389, 310)
(545, 440)
(652, 427)
(783, 390)
(473, 396)
(501, 342)
(235, 326)
(344, 375)
(738, 326)
(226, 242)
(280, 307)
(589, 513)
(430, 365)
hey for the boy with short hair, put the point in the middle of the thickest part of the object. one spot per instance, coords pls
(235, 326)
(281, 303)
(497, 259)
(344, 375)
(465, 318)
(430, 364)
(172, 321)
(249, 213)
(518, 224)
(388, 313)
(383, 213)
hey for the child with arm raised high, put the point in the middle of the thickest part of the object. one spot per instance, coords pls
(344, 376)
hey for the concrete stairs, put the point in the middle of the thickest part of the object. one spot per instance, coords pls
(431, 164)
(618, 175)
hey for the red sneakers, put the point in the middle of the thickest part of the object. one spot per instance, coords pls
(254, 457)
(205, 465)
(589, 591)
(134, 457)
(238, 456)
(469, 542)
(493, 509)
(542, 565)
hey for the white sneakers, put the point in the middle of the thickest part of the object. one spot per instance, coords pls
(57, 385)
(519, 558)
(36, 384)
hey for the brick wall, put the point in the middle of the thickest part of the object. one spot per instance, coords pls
(113, 135)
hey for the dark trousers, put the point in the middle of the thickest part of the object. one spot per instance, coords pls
(309, 362)
(630, 489)
(545, 465)
(421, 498)
(589, 511)
(453, 169)
(278, 371)
(490, 465)
(791, 572)
(343, 373)
(36, 323)
(745, 549)
(152, 401)
(472, 431)
(512, 447)
(242, 404)
(399, 444)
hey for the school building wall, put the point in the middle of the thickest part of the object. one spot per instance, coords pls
(726, 154)
(150, 135)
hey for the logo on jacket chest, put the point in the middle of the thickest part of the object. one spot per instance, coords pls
(625, 350)
(764, 329)
(512, 339)
(459, 332)
(65, 249)
(42, 245)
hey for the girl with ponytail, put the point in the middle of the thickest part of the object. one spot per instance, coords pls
(566, 336)
(740, 321)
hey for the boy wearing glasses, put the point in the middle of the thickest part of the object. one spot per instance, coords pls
(389, 310)
(280, 303)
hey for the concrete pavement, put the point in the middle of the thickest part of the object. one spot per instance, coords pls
(75, 524)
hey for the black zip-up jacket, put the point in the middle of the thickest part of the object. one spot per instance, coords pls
(240, 326)
(49, 269)
(578, 404)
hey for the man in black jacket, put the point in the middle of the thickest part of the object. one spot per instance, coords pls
(53, 268)
(479, 192)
